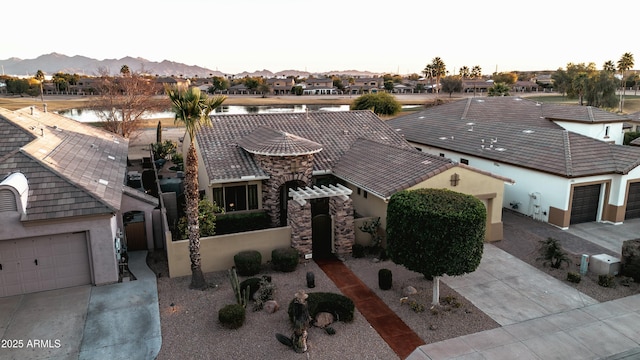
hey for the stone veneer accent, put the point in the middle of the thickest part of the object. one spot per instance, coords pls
(299, 218)
(344, 227)
(282, 169)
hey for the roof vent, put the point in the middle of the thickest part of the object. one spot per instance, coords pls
(103, 182)
(14, 191)
(528, 131)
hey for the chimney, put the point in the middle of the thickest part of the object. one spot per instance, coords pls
(31, 108)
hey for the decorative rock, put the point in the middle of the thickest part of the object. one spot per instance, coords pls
(433, 327)
(323, 319)
(409, 290)
(271, 306)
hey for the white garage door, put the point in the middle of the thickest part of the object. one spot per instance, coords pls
(43, 263)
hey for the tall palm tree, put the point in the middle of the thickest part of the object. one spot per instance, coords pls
(625, 63)
(192, 109)
(440, 70)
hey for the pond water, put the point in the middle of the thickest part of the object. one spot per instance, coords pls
(88, 115)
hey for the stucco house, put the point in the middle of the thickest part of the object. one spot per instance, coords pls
(318, 171)
(62, 201)
(567, 161)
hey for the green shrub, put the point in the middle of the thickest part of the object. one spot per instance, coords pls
(248, 262)
(253, 284)
(385, 279)
(380, 103)
(357, 251)
(231, 223)
(285, 259)
(232, 316)
(551, 253)
(606, 281)
(339, 305)
(574, 277)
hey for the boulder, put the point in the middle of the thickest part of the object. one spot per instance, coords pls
(271, 306)
(409, 290)
(323, 319)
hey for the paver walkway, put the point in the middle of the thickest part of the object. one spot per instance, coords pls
(391, 328)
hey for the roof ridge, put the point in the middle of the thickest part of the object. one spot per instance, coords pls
(567, 152)
(466, 109)
(590, 113)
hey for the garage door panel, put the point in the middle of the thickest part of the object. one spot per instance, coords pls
(633, 201)
(44, 263)
(584, 204)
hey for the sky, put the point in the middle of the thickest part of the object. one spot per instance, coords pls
(398, 37)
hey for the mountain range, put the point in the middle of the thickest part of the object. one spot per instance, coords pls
(82, 65)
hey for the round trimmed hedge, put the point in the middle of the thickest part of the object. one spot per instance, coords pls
(285, 259)
(248, 262)
(232, 316)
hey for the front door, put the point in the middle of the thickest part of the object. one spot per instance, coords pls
(322, 246)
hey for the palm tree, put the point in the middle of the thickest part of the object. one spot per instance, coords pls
(192, 109)
(439, 70)
(625, 63)
(609, 66)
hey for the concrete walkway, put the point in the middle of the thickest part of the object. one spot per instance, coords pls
(123, 320)
(118, 321)
(541, 317)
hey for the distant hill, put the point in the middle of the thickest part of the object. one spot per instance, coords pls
(82, 65)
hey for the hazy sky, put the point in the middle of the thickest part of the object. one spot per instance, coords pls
(320, 36)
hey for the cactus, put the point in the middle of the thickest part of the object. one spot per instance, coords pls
(242, 297)
(159, 132)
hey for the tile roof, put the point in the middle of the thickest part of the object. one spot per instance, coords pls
(336, 131)
(73, 169)
(384, 170)
(267, 141)
(544, 148)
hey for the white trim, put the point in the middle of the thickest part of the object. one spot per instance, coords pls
(301, 195)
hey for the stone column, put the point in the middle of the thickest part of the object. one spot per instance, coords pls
(299, 218)
(344, 227)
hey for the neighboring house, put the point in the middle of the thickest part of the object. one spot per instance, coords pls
(322, 169)
(280, 86)
(62, 203)
(319, 86)
(566, 160)
(366, 85)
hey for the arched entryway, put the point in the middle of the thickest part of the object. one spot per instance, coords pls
(284, 198)
(135, 232)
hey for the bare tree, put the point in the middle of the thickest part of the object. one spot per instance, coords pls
(123, 101)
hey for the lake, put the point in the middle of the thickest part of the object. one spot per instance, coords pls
(88, 115)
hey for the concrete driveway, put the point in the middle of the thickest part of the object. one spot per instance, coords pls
(118, 321)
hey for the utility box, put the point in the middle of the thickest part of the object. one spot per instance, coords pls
(603, 264)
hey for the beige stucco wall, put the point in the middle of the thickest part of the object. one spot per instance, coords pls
(217, 251)
(100, 230)
(487, 188)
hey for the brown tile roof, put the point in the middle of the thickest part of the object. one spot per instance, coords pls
(544, 148)
(267, 141)
(336, 131)
(72, 168)
(384, 170)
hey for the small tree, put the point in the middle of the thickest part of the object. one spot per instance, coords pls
(552, 254)
(451, 84)
(380, 103)
(436, 232)
(499, 89)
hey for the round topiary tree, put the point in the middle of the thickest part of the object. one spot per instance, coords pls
(436, 232)
(381, 103)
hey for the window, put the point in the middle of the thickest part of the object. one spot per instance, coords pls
(365, 194)
(237, 198)
(606, 131)
(358, 191)
(441, 154)
(464, 161)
